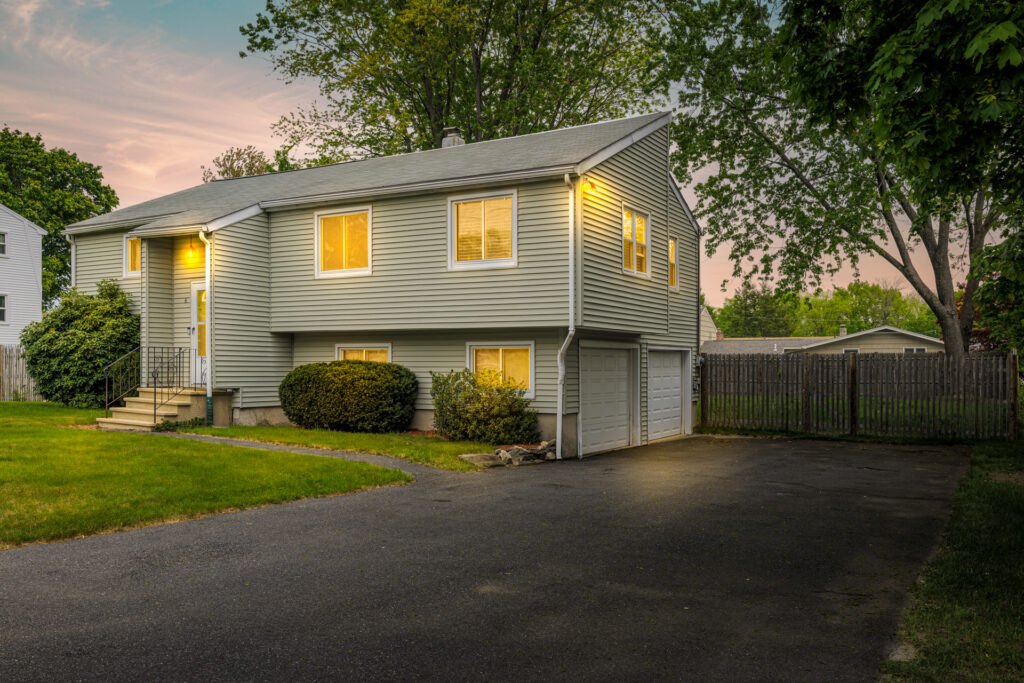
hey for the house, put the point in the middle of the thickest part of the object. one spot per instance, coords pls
(882, 339)
(708, 329)
(567, 260)
(21, 274)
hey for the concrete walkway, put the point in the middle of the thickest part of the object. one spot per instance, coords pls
(695, 559)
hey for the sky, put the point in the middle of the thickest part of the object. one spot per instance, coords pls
(150, 90)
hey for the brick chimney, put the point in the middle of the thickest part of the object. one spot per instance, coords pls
(842, 330)
(719, 335)
(452, 137)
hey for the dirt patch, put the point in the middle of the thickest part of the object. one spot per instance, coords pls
(1008, 477)
(422, 432)
(92, 426)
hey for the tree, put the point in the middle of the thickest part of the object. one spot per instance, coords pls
(238, 162)
(862, 306)
(759, 312)
(394, 74)
(68, 349)
(1000, 298)
(941, 83)
(52, 188)
(796, 196)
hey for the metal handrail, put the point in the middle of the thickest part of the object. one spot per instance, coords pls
(121, 377)
(171, 373)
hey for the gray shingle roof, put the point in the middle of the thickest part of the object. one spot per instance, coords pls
(758, 344)
(550, 150)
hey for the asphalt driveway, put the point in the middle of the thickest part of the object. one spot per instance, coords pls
(696, 559)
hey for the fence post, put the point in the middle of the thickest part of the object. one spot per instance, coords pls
(854, 396)
(805, 396)
(1011, 370)
(703, 389)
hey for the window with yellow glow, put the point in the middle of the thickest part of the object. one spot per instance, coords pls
(378, 354)
(672, 276)
(343, 243)
(201, 322)
(634, 241)
(482, 231)
(511, 363)
(132, 256)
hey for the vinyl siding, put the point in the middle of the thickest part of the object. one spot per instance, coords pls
(185, 271)
(422, 352)
(100, 257)
(411, 287)
(157, 300)
(612, 299)
(878, 342)
(20, 277)
(247, 355)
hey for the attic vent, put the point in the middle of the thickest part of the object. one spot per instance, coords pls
(452, 137)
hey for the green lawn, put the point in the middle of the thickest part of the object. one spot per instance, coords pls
(966, 618)
(425, 450)
(57, 482)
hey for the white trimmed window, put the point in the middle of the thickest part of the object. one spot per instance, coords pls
(344, 244)
(380, 353)
(482, 231)
(3, 244)
(513, 361)
(132, 256)
(3, 308)
(914, 349)
(673, 270)
(635, 235)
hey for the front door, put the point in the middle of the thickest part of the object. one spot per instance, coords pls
(198, 341)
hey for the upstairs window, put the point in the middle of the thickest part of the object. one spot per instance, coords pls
(511, 361)
(673, 278)
(482, 231)
(343, 240)
(379, 354)
(3, 244)
(132, 256)
(634, 241)
(3, 308)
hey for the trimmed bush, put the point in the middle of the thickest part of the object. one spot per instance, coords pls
(350, 396)
(66, 351)
(481, 407)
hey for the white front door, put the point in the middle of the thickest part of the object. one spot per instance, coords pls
(198, 333)
(605, 399)
(664, 394)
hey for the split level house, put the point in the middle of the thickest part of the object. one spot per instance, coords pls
(566, 260)
(21, 274)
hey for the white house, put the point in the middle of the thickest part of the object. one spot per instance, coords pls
(21, 274)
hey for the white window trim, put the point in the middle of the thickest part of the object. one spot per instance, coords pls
(673, 238)
(622, 253)
(914, 349)
(7, 245)
(7, 309)
(338, 348)
(126, 273)
(532, 393)
(484, 264)
(349, 272)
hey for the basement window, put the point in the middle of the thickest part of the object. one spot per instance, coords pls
(512, 361)
(380, 353)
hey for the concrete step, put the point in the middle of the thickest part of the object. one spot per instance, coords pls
(142, 402)
(121, 425)
(175, 391)
(145, 413)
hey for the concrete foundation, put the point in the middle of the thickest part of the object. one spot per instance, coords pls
(258, 417)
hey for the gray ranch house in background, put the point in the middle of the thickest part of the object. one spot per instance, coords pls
(881, 339)
(21, 274)
(566, 260)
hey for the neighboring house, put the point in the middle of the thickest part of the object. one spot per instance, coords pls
(708, 328)
(566, 260)
(883, 339)
(21, 274)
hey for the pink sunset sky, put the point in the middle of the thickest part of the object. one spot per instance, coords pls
(151, 89)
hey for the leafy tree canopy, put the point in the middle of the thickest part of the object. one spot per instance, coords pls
(862, 306)
(759, 312)
(238, 162)
(1001, 294)
(52, 188)
(393, 74)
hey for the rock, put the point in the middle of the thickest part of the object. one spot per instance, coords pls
(482, 459)
(520, 455)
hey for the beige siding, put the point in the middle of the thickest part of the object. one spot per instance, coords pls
(247, 355)
(101, 257)
(878, 342)
(157, 300)
(422, 352)
(411, 287)
(186, 270)
(613, 299)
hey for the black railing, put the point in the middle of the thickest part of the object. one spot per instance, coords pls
(121, 377)
(173, 370)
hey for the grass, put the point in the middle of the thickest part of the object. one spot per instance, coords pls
(58, 483)
(966, 619)
(425, 450)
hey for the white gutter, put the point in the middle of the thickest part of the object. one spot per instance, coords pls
(209, 326)
(560, 409)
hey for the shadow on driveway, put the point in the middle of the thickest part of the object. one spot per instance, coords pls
(702, 559)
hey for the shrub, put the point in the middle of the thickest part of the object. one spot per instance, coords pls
(481, 407)
(350, 396)
(66, 351)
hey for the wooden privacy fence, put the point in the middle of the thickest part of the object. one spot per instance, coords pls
(15, 384)
(927, 395)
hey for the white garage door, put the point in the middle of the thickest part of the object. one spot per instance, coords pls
(605, 398)
(664, 394)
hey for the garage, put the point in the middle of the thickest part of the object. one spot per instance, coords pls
(605, 381)
(665, 382)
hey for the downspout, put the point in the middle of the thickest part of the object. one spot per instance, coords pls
(560, 409)
(209, 326)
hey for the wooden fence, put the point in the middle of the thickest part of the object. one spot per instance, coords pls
(15, 384)
(928, 395)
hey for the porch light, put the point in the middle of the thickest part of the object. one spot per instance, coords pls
(191, 248)
(589, 185)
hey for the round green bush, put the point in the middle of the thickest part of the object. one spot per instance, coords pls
(481, 407)
(350, 396)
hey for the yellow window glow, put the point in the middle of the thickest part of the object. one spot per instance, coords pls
(483, 229)
(134, 255)
(634, 241)
(627, 240)
(671, 263)
(345, 241)
(376, 355)
(512, 363)
(201, 322)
